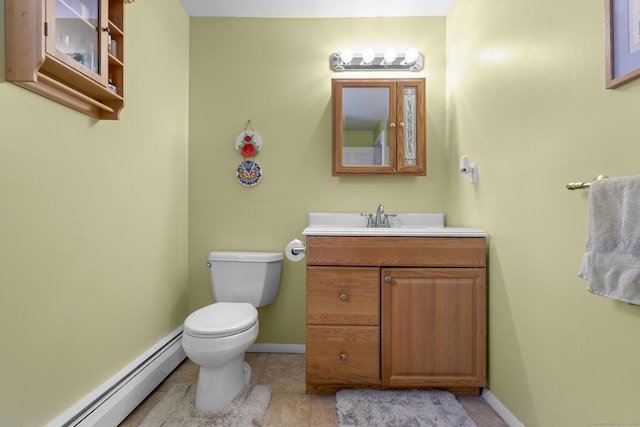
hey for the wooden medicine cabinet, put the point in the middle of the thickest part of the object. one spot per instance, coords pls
(70, 51)
(378, 127)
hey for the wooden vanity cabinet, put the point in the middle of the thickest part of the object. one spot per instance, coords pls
(396, 312)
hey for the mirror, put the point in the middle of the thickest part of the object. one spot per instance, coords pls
(365, 126)
(378, 126)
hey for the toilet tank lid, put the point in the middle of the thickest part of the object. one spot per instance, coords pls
(245, 256)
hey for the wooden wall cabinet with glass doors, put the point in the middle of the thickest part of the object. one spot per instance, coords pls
(378, 127)
(71, 51)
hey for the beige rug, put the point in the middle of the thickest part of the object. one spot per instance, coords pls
(432, 408)
(177, 409)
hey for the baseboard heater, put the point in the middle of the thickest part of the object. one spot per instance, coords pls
(114, 399)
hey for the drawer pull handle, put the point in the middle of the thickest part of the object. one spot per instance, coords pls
(387, 279)
(343, 356)
(344, 297)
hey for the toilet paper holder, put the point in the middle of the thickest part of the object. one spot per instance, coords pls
(295, 250)
(298, 250)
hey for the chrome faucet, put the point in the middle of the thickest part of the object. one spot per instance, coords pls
(381, 218)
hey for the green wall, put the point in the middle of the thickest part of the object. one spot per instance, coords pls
(526, 100)
(94, 236)
(275, 72)
(93, 224)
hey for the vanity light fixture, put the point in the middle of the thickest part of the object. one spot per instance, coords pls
(368, 55)
(347, 60)
(390, 55)
(346, 55)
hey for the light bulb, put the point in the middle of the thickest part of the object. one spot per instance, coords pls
(368, 55)
(389, 56)
(410, 56)
(346, 55)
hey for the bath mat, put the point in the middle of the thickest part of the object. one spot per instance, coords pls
(392, 408)
(177, 409)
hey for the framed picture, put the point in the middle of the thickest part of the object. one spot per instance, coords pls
(622, 41)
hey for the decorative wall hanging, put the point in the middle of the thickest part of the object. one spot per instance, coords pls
(249, 173)
(622, 41)
(248, 144)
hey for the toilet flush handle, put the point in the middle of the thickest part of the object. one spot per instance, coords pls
(208, 264)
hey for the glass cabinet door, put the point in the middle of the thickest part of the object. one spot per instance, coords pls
(411, 137)
(75, 35)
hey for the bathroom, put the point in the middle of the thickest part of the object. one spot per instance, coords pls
(106, 225)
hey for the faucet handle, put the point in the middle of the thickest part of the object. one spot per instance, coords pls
(369, 218)
(386, 221)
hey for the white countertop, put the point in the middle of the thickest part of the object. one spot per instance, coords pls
(404, 224)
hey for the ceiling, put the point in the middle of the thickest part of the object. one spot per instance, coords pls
(317, 8)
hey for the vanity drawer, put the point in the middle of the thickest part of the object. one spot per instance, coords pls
(343, 355)
(397, 251)
(343, 295)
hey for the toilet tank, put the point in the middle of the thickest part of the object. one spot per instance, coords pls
(252, 277)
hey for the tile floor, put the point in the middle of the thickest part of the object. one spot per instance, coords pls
(289, 404)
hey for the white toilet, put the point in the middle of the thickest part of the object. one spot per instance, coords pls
(216, 336)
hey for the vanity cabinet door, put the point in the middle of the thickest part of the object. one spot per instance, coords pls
(433, 327)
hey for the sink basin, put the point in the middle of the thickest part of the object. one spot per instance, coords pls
(404, 224)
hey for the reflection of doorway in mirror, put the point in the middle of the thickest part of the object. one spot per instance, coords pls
(380, 150)
(634, 26)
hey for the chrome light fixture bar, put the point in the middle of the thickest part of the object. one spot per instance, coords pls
(369, 60)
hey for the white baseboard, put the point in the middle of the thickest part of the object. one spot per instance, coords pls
(114, 399)
(502, 410)
(277, 348)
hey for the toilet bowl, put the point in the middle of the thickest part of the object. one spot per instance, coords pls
(216, 337)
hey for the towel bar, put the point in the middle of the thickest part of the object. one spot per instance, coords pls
(579, 185)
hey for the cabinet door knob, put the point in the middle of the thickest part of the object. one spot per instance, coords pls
(343, 356)
(344, 297)
(401, 124)
(387, 279)
(392, 125)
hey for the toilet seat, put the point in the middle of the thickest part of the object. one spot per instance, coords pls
(221, 319)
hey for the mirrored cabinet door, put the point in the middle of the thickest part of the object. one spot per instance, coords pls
(378, 127)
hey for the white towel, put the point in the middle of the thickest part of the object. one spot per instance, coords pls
(611, 263)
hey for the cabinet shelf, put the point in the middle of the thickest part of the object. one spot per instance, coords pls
(114, 60)
(77, 15)
(114, 29)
